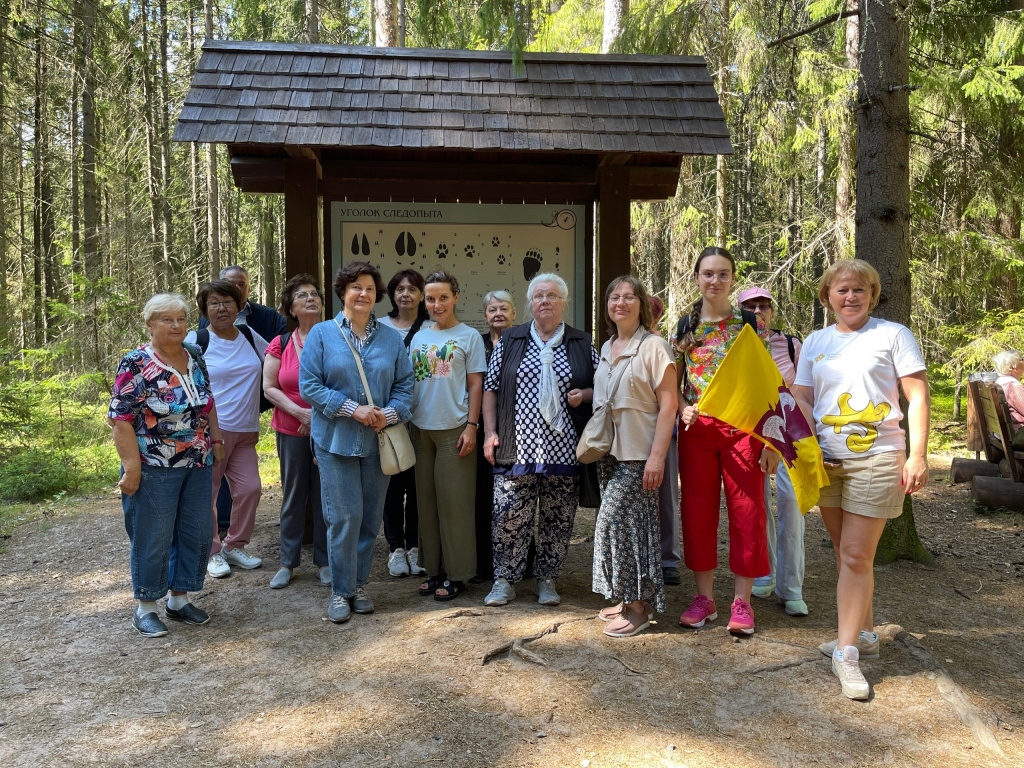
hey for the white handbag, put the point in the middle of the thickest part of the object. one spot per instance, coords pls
(396, 453)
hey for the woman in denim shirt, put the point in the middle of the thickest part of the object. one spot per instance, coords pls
(344, 427)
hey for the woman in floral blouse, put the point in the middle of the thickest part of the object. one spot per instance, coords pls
(166, 434)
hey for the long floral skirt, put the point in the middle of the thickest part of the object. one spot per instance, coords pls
(627, 537)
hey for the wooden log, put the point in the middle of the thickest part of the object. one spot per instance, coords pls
(962, 470)
(998, 492)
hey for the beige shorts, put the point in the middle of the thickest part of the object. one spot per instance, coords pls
(871, 486)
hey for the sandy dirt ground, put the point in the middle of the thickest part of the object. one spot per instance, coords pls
(271, 682)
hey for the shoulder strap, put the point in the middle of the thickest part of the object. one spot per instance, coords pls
(246, 331)
(682, 327)
(413, 330)
(196, 354)
(285, 338)
(623, 366)
(359, 363)
(203, 339)
(749, 318)
(792, 349)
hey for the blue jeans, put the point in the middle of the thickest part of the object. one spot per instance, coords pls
(170, 528)
(353, 489)
(786, 546)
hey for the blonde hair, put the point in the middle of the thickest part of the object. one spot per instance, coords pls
(1004, 361)
(164, 302)
(857, 268)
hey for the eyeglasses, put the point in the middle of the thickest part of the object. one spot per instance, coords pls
(763, 306)
(221, 304)
(628, 298)
(303, 295)
(710, 277)
(551, 298)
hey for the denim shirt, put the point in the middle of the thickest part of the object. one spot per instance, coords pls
(328, 376)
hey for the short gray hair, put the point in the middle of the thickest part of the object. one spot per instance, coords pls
(499, 295)
(164, 302)
(1004, 361)
(545, 277)
(233, 268)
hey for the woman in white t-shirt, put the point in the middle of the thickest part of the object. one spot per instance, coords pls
(448, 367)
(849, 377)
(234, 356)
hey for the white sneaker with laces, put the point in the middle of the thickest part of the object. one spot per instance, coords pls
(414, 562)
(218, 567)
(846, 666)
(241, 558)
(397, 564)
(546, 592)
(500, 593)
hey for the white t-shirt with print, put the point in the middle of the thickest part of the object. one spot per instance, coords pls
(235, 372)
(440, 362)
(856, 386)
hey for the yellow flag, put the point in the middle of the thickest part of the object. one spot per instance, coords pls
(748, 393)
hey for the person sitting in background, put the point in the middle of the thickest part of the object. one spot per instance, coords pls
(499, 314)
(1009, 368)
(786, 543)
(266, 322)
(234, 355)
(302, 302)
(165, 431)
(401, 515)
(668, 493)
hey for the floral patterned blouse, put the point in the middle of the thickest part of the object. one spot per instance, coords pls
(169, 409)
(713, 340)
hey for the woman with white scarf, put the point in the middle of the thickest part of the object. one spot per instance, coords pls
(536, 401)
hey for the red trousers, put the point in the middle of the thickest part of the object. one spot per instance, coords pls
(712, 453)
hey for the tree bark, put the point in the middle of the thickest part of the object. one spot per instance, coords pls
(5, 13)
(847, 143)
(312, 21)
(615, 13)
(212, 190)
(722, 163)
(90, 191)
(883, 197)
(167, 214)
(153, 162)
(385, 23)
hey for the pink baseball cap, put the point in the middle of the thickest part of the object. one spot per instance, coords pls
(754, 293)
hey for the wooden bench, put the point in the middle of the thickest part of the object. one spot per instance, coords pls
(994, 416)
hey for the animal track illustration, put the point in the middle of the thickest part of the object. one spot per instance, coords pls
(442, 251)
(495, 241)
(356, 246)
(531, 264)
(405, 243)
(470, 252)
(501, 258)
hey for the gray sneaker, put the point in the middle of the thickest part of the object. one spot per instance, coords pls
(324, 572)
(413, 555)
(281, 578)
(867, 648)
(338, 610)
(846, 666)
(361, 602)
(241, 558)
(546, 593)
(500, 593)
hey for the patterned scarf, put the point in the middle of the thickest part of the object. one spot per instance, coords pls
(550, 406)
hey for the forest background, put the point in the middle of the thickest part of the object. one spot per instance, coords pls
(99, 209)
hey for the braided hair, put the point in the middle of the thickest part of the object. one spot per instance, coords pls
(688, 341)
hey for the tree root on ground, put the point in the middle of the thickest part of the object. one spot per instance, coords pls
(457, 614)
(517, 646)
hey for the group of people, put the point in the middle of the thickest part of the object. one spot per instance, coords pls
(495, 419)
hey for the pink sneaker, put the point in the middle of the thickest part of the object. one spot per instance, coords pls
(701, 610)
(741, 622)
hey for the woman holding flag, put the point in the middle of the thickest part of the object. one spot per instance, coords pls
(711, 452)
(849, 376)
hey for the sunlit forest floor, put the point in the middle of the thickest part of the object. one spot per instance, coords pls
(271, 682)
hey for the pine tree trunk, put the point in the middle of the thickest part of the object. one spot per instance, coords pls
(385, 23)
(847, 143)
(883, 197)
(38, 144)
(312, 21)
(167, 223)
(90, 192)
(615, 12)
(5, 323)
(152, 152)
(212, 190)
(819, 255)
(722, 164)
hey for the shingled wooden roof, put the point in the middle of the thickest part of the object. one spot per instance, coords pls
(251, 93)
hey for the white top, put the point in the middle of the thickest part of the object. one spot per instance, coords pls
(856, 386)
(235, 374)
(440, 362)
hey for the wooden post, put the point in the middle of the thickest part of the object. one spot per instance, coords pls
(962, 470)
(613, 235)
(303, 242)
(998, 492)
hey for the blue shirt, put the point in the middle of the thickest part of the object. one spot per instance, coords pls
(328, 376)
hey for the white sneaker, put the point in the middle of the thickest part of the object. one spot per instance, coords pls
(414, 562)
(867, 646)
(546, 593)
(500, 593)
(846, 666)
(397, 564)
(241, 558)
(218, 567)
